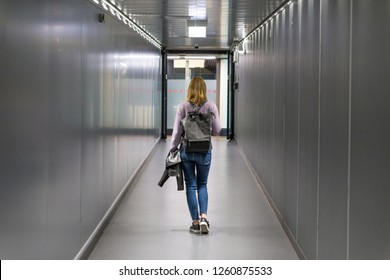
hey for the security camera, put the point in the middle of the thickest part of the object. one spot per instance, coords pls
(101, 18)
(196, 47)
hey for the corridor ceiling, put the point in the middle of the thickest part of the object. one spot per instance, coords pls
(225, 20)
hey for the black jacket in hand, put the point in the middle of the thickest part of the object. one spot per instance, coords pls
(173, 169)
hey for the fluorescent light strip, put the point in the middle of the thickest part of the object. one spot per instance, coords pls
(197, 31)
(191, 57)
(200, 57)
(108, 6)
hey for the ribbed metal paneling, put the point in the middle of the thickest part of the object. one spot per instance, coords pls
(321, 116)
(279, 111)
(334, 134)
(308, 126)
(79, 110)
(290, 199)
(269, 105)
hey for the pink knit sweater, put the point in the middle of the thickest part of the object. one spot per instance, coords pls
(182, 111)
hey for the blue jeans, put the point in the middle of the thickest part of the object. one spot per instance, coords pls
(196, 167)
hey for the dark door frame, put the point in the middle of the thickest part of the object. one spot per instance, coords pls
(230, 87)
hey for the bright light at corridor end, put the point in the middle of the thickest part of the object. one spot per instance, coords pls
(121, 16)
(208, 57)
(197, 31)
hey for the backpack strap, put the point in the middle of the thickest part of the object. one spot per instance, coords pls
(196, 107)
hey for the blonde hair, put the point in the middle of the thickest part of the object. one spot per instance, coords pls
(197, 91)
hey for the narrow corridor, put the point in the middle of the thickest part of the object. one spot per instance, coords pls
(153, 222)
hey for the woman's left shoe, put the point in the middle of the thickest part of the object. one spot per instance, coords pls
(195, 228)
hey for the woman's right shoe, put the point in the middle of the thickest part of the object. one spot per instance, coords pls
(204, 226)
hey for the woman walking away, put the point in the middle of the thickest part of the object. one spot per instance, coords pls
(196, 165)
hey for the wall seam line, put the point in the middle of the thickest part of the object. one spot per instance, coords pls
(319, 128)
(349, 128)
(299, 111)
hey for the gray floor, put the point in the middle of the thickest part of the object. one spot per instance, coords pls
(153, 222)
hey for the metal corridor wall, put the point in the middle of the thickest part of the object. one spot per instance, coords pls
(313, 120)
(80, 108)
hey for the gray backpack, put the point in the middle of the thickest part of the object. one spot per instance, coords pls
(197, 131)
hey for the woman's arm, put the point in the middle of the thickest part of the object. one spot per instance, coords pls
(177, 127)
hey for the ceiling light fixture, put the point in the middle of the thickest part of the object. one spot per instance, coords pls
(197, 31)
(208, 57)
(198, 23)
(197, 28)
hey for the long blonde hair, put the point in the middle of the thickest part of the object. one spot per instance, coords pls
(197, 92)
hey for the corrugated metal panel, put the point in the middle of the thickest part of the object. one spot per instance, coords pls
(279, 111)
(370, 134)
(308, 126)
(334, 135)
(290, 199)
